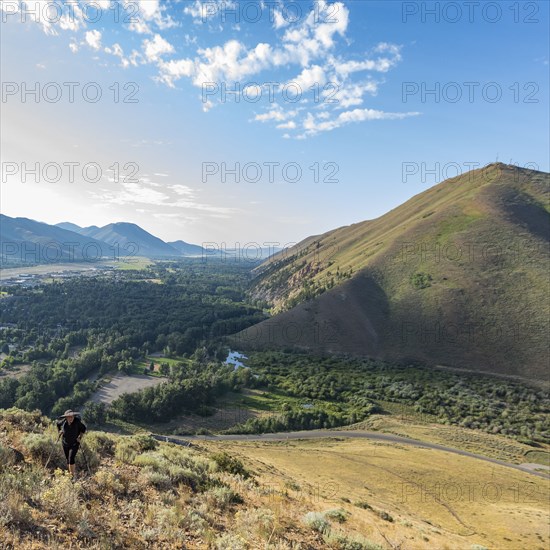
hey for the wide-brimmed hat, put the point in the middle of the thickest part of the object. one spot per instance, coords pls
(69, 413)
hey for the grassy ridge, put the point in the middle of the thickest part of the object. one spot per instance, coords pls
(455, 276)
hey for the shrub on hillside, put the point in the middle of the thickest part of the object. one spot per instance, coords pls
(340, 515)
(62, 497)
(159, 480)
(7, 457)
(101, 443)
(17, 489)
(145, 442)
(15, 512)
(230, 464)
(229, 540)
(167, 472)
(26, 483)
(341, 541)
(257, 522)
(87, 458)
(421, 280)
(187, 459)
(44, 449)
(108, 482)
(128, 448)
(317, 522)
(363, 504)
(28, 421)
(95, 413)
(222, 497)
(384, 515)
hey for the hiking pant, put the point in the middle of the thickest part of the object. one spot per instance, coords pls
(70, 452)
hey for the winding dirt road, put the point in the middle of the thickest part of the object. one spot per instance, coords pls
(316, 434)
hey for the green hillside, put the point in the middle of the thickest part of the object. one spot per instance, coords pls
(457, 276)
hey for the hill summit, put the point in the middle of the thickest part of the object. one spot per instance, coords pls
(455, 276)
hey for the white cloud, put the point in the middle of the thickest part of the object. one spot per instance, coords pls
(174, 70)
(202, 11)
(37, 11)
(325, 32)
(233, 61)
(307, 48)
(117, 51)
(131, 193)
(279, 21)
(207, 105)
(372, 114)
(153, 49)
(93, 39)
(172, 196)
(103, 4)
(350, 94)
(308, 77)
(313, 126)
(275, 114)
(148, 8)
(73, 20)
(380, 64)
(183, 190)
(139, 26)
(150, 14)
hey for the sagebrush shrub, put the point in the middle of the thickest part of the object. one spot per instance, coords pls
(230, 464)
(15, 512)
(340, 515)
(109, 483)
(229, 541)
(101, 443)
(7, 457)
(62, 497)
(317, 522)
(222, 497)
(45, 449)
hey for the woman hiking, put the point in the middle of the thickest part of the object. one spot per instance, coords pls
(72, 428)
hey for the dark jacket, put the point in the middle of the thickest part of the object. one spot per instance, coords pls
(70, 431)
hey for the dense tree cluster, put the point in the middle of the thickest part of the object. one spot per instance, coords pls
(473, 401)
(300, 419)
(192, 387)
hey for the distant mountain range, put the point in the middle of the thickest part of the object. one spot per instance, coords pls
(26, 241)
(23, 240)
(187, 249)
(129, 237)
(456, 276)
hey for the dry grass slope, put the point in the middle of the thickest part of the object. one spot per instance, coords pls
(335, 494)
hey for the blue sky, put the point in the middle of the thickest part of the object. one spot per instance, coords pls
(362, 125)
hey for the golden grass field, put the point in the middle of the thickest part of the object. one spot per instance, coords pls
(436, 499)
